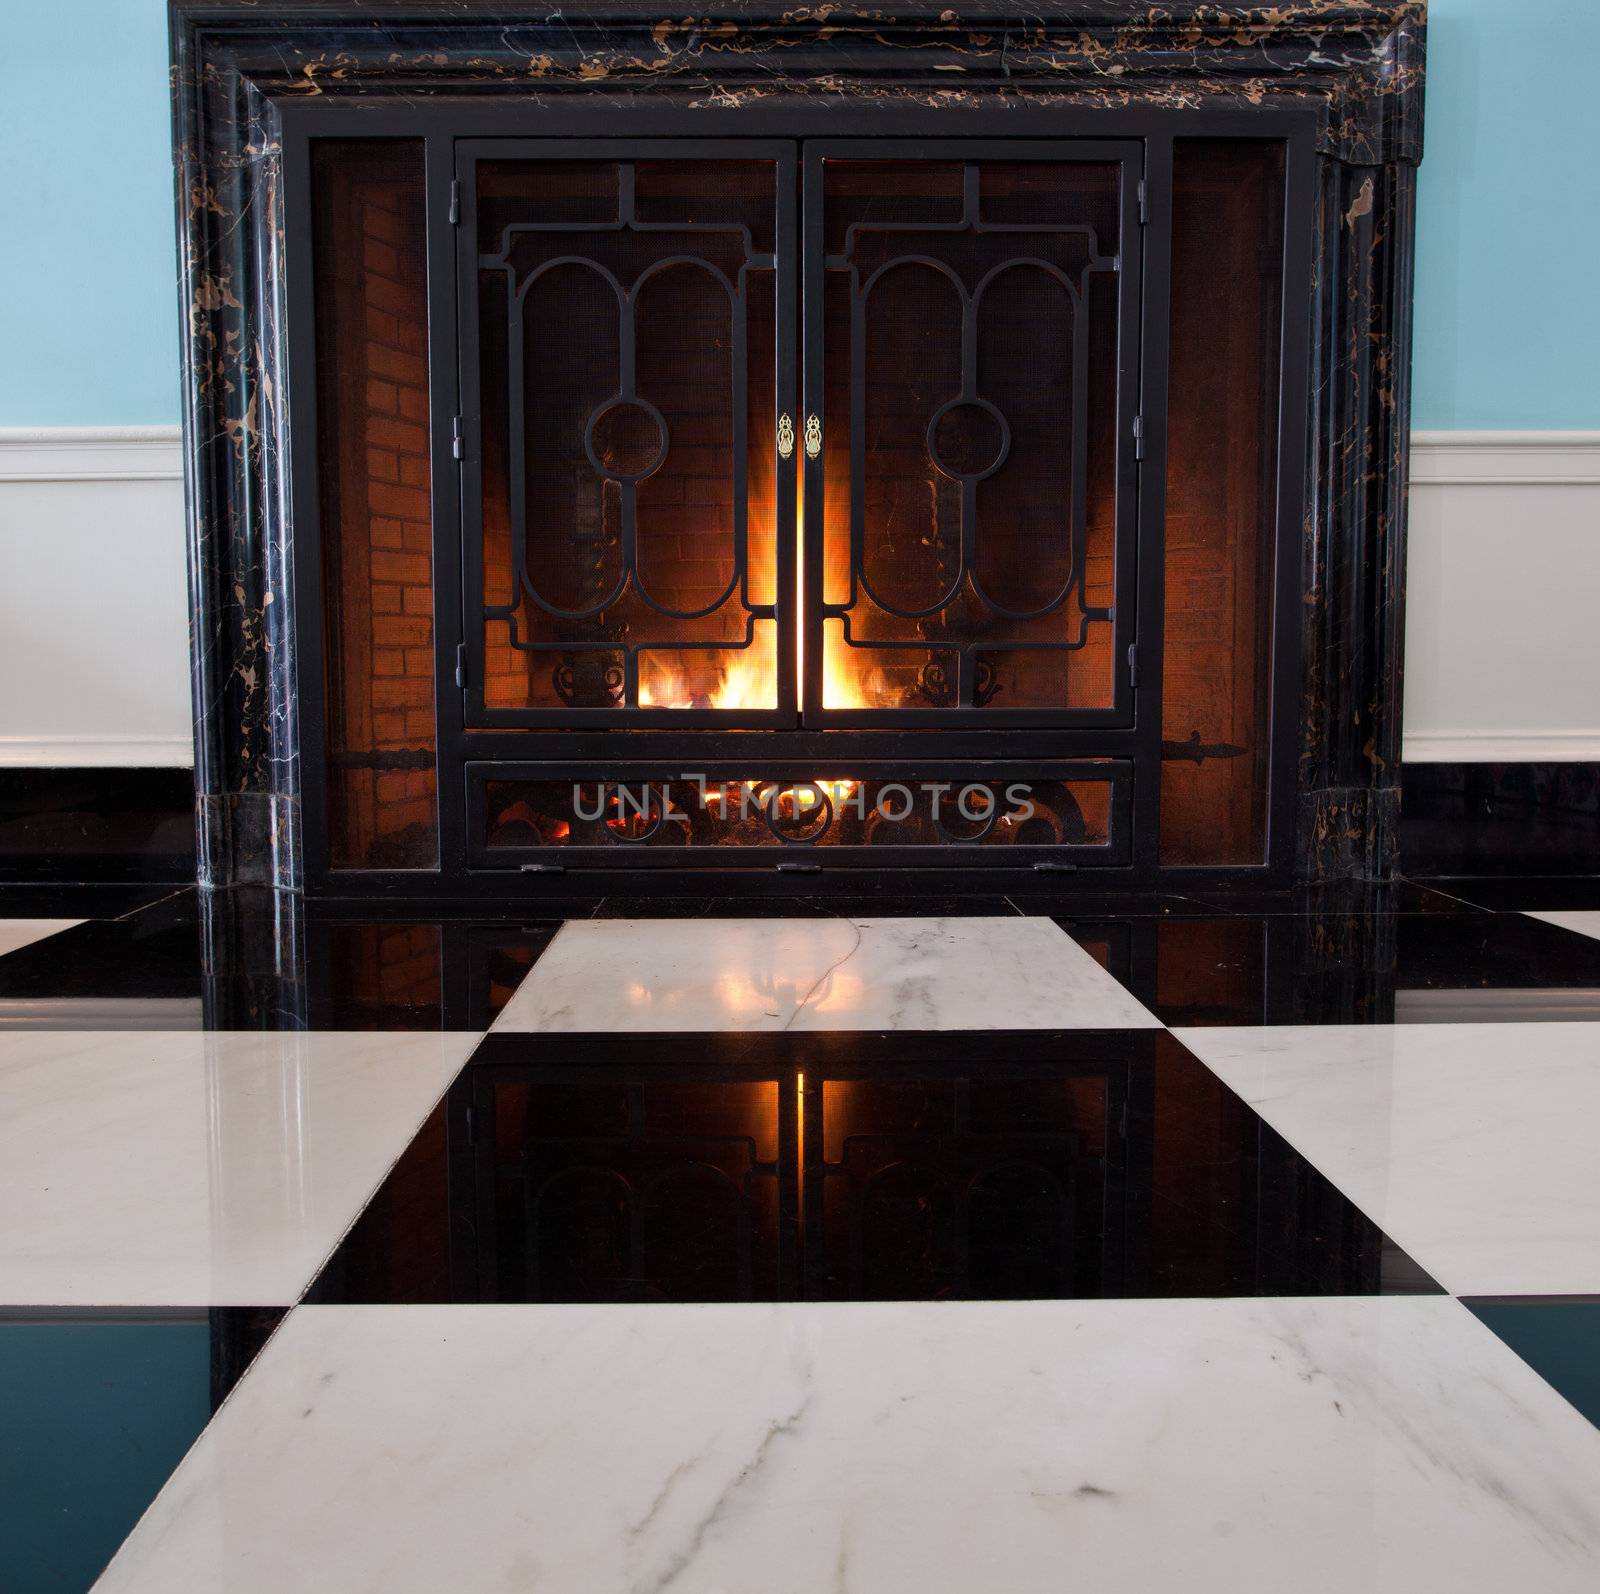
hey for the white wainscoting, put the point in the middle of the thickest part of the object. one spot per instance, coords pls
(1503, 597)
(1502, 653)
(94, 624)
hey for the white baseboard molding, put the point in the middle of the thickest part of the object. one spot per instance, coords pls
(1505, 459)
(90, 454)
(96, 752)
(1502, 747)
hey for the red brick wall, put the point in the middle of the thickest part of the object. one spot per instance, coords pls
(377, 515)
(1219, 505)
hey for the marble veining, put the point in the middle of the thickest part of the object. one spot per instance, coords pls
(906, 1448)
(1353, 69)
(1470, 1144)
(18, 933)
(818, 974)
(172, 1169)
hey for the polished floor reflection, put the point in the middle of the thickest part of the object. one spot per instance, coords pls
(1158, 1238)
(975, 1165)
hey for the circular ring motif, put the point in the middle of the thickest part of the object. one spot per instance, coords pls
(635, 825)
(626, 439)
(799, 824)
(968, 439)
(962, 826)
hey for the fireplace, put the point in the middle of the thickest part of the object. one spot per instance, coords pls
(705, 451)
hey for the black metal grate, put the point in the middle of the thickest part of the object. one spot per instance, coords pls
(970, 321)
(627, 339)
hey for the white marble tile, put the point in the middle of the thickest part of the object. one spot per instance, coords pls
(1472, 1145)
(1586, 921)
(171, 1169)
(818, 974)
(18, 933)
(1335, 1446)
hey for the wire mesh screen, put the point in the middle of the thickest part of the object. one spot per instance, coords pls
(970, 381)
(627, 331)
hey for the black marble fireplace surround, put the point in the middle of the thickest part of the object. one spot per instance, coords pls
(1336, 84)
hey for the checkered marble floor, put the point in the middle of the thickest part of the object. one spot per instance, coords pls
(676, 1246)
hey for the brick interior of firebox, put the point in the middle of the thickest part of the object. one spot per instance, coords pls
(372, 315)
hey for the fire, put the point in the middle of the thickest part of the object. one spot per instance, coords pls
(748, 678)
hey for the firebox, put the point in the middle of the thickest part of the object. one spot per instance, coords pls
(803, 446)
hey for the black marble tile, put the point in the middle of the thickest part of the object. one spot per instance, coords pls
(912, 1166)
(1332, 897)
(417, 974)
(1348, 968)
(34, 899)
(1499, 966)
(1558, 1337)
(1500, 819)
(140, 971)
(1525, 893)
(97, 824)
(242, 960)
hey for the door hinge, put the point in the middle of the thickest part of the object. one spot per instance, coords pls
(1133, 664)
(1138, 437)
(461, 665)
(455, 201)
(458, 438)
(1144, 203)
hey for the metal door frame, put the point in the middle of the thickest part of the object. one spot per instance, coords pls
(440, 127)
(1128, 156)
(469, 153)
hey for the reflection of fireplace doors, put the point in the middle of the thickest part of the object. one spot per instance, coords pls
(761, 434)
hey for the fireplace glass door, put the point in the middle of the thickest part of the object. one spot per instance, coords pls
(636, 430)
(971, 368)
(628, 349)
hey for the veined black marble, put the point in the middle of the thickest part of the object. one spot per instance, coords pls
(1356, 66)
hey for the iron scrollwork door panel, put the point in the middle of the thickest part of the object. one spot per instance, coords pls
(628, 316)
(971, 338)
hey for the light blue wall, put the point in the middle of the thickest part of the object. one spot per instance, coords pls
(1508, 230)
(88, 270)
(1508, 320)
